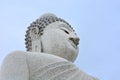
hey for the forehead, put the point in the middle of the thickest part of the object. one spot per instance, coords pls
(58, 25)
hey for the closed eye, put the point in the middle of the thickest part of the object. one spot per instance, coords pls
(65, 31)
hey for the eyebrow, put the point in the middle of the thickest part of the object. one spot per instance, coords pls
(62, 25)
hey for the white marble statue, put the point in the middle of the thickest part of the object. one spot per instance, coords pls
(52, 46)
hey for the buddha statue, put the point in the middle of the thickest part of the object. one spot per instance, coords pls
(52, 47)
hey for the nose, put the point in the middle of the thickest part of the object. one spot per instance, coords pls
(75, 40)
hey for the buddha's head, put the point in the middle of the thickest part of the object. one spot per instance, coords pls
(52, 35)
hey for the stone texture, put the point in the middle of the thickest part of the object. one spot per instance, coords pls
(35, 66)
(52, 47)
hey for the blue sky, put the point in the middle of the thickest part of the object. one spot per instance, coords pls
(97, 23)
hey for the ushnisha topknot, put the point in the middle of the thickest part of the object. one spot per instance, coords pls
(46, 15)
(41, 23)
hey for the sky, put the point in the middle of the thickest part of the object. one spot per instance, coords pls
(96, 22)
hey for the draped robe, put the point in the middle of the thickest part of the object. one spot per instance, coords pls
(40, 66)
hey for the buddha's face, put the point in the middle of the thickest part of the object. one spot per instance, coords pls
(59, 39)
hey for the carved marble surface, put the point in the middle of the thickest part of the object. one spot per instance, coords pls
(52, 47)
(21, 65)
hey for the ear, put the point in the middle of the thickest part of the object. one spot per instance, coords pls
(34, 33)
(35, 39)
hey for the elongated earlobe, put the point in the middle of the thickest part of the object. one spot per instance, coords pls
(35, 39)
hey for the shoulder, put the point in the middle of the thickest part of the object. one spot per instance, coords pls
(15, 53)
(14, 58)
(15, 66)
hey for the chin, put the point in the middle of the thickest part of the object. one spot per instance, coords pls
(73, 53)
(70, 54)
